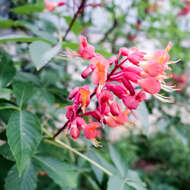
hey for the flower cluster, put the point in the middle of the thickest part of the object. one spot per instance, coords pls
(126, 77)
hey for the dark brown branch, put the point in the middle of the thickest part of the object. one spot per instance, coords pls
(80, 9)
(61, 129)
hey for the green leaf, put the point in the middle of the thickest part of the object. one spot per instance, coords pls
(7, 70)
(116, 182)
(104, 53)
(23, 92)
(124, 183)
(142, 115)
(36, 31)
(24, 136)
(48, 148)
(73, 46)
(5, 93)
(60, 172)
(119, 163)
(77, 26)
(27, 77)
(133, 180)
(7, 23)
(6, 152)
(28, 9)
(97, 158)
(28, 180)
(21, 38)
(6, 105)
(41, 53)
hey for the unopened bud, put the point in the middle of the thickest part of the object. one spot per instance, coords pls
(114, 109)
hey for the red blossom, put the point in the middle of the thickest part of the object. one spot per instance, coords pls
(148, 73)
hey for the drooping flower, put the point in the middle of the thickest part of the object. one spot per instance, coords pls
(86, 50)
(81, 96)
(132, 102)
(100, 73)
(117, 89)
(91, 132)
(115, 121)
(150, 85)
(153, 74)
(75, 127)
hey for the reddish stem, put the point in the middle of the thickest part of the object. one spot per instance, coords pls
(80, 9)
(79, 109)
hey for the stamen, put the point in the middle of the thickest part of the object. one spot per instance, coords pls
(164, 98)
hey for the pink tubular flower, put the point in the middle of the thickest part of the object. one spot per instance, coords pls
(148, 73)
(115, 109)
(153, 68)
(71, 114)
(86, 50)
(87, 71)
(75, 127)
(81, 96)
(115, 121)
(117, 89)
(124, 51)
(135, 56)
(51, 6)
(153, 73)
(160, 56)
(180, 80)
(101, 71)
(74, 130)
(129, 86)
(132, 102)
(91, 132)
(150, 85)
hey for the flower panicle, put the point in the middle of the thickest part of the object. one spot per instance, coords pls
(133, 74)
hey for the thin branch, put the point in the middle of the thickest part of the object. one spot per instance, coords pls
(80, 9)
(109, 31)
(62, 144)
(61, 129)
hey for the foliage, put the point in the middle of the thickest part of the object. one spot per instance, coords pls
(36, 78)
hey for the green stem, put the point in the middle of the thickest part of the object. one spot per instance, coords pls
(56, 141)
(83, 156)
(10, 107)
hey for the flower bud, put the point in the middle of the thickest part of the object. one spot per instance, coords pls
(75, 132)
(128, 85)
(73, 93)
(124, 51)
(61, 3)
(87, 71)
(115, 109)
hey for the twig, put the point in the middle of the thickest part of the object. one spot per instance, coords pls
(61, 129)
(80, 9)
(62, 144)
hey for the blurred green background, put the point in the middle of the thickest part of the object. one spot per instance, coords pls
(156, 148)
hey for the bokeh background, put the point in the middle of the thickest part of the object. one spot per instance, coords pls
(157, 145)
